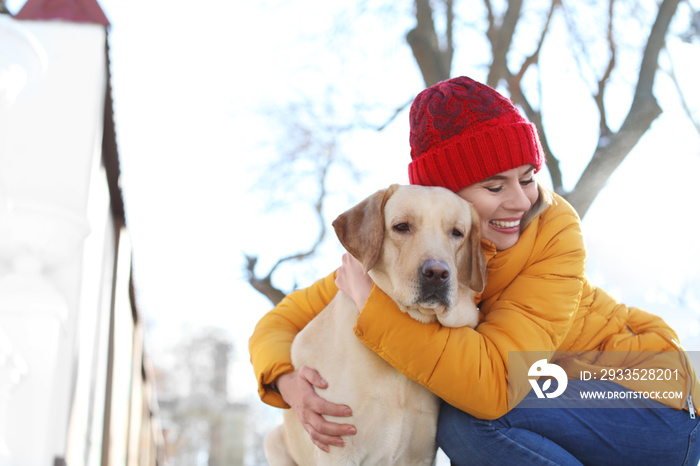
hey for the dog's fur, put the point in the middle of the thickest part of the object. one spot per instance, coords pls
(421, 246)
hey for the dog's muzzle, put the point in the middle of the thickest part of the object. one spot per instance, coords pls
(434, 283)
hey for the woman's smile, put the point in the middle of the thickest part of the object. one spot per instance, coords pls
(502, 201)
(506, 226)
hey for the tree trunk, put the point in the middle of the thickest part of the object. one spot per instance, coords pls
(434, 63)
(501, 40)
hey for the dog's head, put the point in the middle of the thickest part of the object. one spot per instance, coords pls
(421, 246)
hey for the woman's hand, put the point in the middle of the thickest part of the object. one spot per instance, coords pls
(353, 281)
(297, 389)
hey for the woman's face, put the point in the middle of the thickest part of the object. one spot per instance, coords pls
(501, 202)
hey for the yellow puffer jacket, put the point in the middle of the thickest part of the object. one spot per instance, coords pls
(537, 298)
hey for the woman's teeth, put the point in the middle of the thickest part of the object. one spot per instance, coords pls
(502, 224)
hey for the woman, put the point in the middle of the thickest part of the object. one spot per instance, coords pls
(470, 139)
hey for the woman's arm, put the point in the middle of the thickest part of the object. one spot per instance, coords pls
(271, 342)
(282, 386)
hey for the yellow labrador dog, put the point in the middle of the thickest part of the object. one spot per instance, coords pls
(421, 246)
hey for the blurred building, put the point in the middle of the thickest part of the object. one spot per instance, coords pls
(201, 424)
(75, 386)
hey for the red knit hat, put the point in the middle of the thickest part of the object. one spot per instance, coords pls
(463, 132)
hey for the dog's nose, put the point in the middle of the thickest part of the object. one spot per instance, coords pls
(436, 273)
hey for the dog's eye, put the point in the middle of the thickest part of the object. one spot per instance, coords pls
(456, 233)
(402, 227)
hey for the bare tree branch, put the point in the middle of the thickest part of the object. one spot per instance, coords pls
(501, 42)
(492, 30)
(514, 80)
(396, 113)
(425, 46)
(501, 39)
(684, 103)
(643, 111)
(310, 150)
(580, 55)
(450, 50)
(535, 116)
(264, 284)
(599, 97)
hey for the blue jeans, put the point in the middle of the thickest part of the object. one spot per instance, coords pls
(654, 434)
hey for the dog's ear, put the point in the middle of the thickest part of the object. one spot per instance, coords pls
(475, 269)
(361, 229)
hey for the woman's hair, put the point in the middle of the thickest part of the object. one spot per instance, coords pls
(544, 200)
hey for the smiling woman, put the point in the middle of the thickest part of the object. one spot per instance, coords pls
(537, 303)
(495, 156)
(514, 191)
(502, 202)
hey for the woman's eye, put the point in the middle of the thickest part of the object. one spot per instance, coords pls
(496, 189)
(527, 182)
(402, 227)
(457, 234)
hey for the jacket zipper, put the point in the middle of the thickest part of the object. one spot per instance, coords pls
(689, 398)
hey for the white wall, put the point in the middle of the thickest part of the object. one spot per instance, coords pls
(52, 90)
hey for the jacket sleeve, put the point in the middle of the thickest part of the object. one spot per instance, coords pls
(468, 368)
(271, 342)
